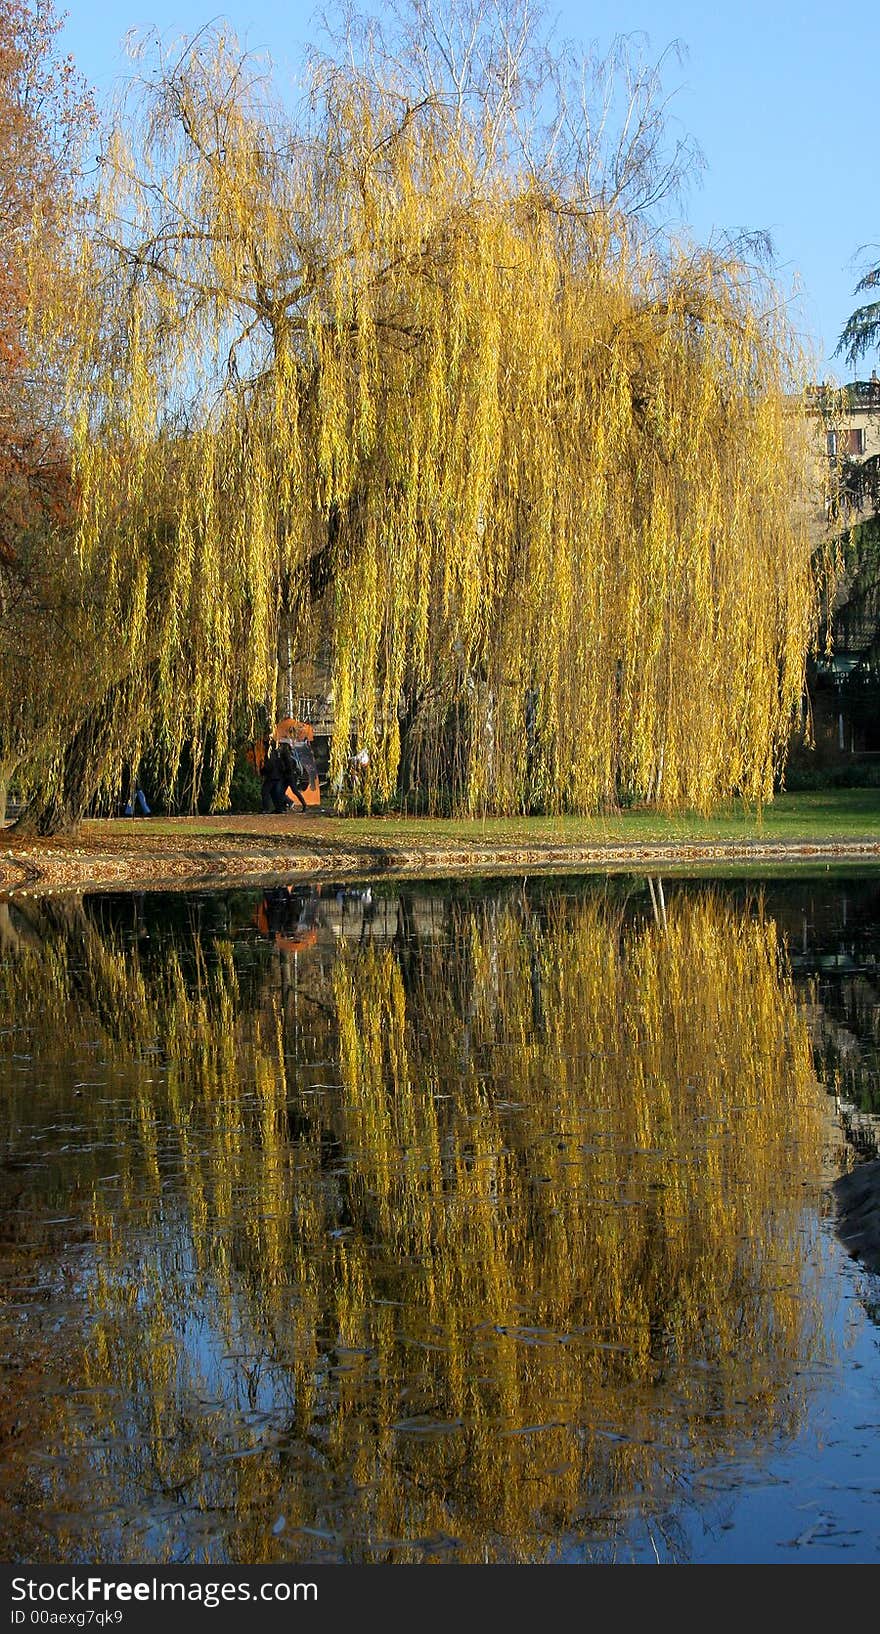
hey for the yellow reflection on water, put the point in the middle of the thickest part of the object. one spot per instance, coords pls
(499, 1250)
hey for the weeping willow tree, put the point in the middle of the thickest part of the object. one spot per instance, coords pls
(407, 371)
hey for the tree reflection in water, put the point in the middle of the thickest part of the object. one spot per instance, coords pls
(479, 1241)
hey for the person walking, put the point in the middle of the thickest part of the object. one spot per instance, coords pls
(271, 785)
(137, 801)
(293, 775)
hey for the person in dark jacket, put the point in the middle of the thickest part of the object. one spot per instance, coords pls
(272, 783)
(282, 771)
(292, 771)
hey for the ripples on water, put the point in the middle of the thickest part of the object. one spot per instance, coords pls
(476, 1223)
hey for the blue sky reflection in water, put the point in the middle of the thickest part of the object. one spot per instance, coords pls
(433, 1222)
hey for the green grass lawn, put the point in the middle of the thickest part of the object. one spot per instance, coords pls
(835, 814)
(829, 814)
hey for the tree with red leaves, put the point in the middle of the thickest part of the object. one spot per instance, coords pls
(46, 113)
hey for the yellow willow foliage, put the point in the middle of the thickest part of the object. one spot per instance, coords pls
(521, 1188)
(534, 479)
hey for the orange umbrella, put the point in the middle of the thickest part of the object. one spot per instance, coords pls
(297, 731)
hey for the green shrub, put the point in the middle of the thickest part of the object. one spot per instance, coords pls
(851, 774)
(244, 790)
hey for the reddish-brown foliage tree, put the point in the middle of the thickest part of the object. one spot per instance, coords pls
(45, 114)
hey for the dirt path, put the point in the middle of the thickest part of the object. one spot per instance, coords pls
(247, 849)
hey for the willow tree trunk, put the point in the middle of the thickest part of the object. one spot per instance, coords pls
(58, 812)
(77, 776)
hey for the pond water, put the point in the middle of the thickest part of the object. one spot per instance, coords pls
(423, 1222)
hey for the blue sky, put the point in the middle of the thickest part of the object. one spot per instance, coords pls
(783, 99)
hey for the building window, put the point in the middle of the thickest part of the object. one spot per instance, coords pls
(831, 444)
(855, 441)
